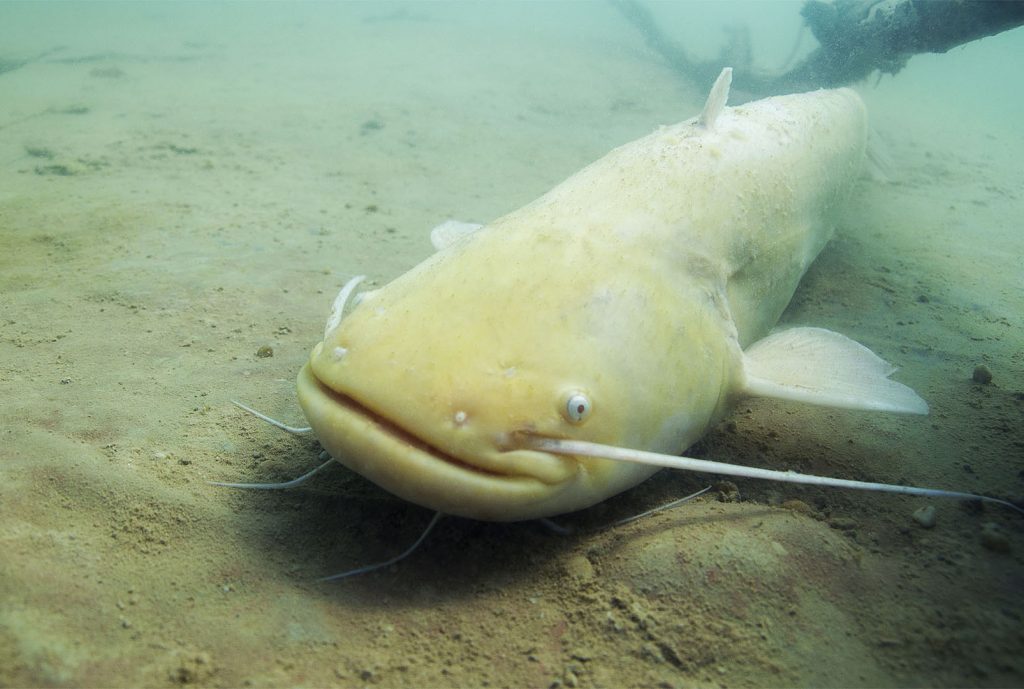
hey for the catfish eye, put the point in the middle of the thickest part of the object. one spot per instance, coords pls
(577, 408)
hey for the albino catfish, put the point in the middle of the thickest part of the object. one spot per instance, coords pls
(570, 349)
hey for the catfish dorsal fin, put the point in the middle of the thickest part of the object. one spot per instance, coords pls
(716, 99)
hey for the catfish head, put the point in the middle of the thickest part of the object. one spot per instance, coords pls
(437, 386)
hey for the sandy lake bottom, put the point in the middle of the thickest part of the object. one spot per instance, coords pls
(175, 198)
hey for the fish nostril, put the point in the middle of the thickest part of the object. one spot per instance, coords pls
(338, 307)
(459, 418)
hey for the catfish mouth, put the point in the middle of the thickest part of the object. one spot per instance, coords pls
(348, 428)
(386, 426)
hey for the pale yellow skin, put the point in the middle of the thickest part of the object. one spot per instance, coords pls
(636, 282)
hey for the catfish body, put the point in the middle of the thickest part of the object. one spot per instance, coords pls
(614, 309)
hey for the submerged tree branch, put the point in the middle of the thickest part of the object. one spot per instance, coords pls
(855, 37)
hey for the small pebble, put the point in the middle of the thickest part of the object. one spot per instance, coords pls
(993, 538)
(579, 568)
(925, 516)
(982, 375)
(727, 491)
(265, 351)
(842, 523)
(798, 506)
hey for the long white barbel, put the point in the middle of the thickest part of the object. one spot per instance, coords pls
(624, 454)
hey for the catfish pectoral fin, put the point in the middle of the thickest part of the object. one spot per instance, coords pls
(824, 368)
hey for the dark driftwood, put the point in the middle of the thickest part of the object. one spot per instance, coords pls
(855, 37)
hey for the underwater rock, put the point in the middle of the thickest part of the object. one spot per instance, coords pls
(993, 538)
(981, 374)
(925, 516)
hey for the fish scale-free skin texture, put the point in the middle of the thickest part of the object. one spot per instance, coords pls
(636, 282)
